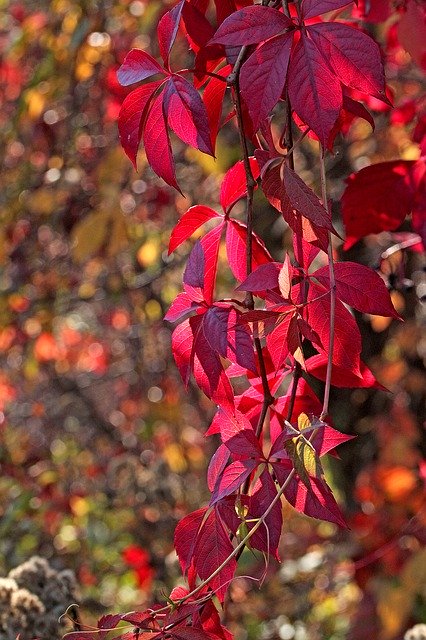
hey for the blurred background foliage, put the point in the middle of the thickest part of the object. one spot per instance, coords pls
(102, 451)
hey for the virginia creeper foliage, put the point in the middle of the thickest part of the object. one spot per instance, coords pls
(297, 68)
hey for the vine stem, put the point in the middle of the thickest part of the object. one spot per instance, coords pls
(332, 291)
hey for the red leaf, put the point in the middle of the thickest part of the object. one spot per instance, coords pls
(314, 91)
(167, 30)
(210, 243)
(232, 478)
(217, 464)
(277, 340)
(360, 287)
(186, 113)
(265, 277)
(198, 28)
(157, 143)
(304, 200)
(234, 184)
(263, 76)
(250, 26)
(238, 435)
(227, 335)
(311, 8)
(325, 438)
(138, 65)
(131, 118)
(182, 343)
(182, 307)
(267, 537)
(347, 338)
(236, 243)
(193, 275)
(212, 547)
(213, 96)
(185, 536)
(341, 377)
(412, 32)
(191, 220)
(386, 191)
(285, 277)
(354, 56)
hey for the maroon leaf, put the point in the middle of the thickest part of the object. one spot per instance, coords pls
(191, 220)
(354, 56)
(314, 91)
(186, 535)
(238, 435)
(304, 200)
(137, 66)
(167, 30)
(212, 547)
(157, 143)
(386, 191)
(263, 278)
(186, 113)
(195, 268)
(131, 118)
(250, 26)
(311, 8)
(263, 76)
(227, 335)
(347, 338)
(234, 184)
(360, 287)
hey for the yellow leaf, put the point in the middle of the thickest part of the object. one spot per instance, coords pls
(89, 235)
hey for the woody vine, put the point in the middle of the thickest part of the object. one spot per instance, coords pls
(303, 64)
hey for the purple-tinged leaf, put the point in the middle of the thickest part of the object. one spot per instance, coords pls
(186, 113)
(360, 287)
(263, 76)
(210, 243)
(237, 434)
(314, 91)
(191, 220)
(138, 65)
(265, 277)
(304, 200)
(267, 537)
(312, 8)
(194, 271)
(131, 118)
(232, 478)
(250, 26)
(167, 30)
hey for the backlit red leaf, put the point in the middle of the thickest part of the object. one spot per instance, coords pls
(234, 184)
(138, 65)
(157, 143)
(191, 220)
(167, 30)
(250, 26)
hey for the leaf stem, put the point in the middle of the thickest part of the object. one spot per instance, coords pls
(332, 292)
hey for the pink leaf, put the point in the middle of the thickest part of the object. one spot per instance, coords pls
(131, 118)
(138, 65)
(386, 191)
(360, 287)
(314, 91)
(234, 184)
(183, 306)
(263, 76)
(354, 56)
(186, 113)
(157, 143)
(250, 26)
(191, 220)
